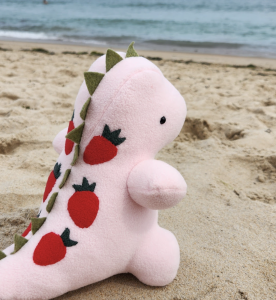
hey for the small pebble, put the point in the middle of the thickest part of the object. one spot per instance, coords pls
(261, 178)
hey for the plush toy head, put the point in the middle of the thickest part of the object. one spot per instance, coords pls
(135, 97)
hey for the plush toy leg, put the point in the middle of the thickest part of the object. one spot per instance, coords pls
(157, 259)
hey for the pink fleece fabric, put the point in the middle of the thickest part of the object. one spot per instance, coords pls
(125, 236)
(59, 141)
(156, 185)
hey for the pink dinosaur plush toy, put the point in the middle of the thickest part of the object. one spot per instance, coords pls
(99, 212)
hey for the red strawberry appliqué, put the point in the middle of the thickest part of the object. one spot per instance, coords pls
(68, 143)
(52, 248)
(83, 206)
(54, 175)
(103, 148)
(25, 233)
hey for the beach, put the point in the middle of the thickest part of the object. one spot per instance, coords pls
(226, 224)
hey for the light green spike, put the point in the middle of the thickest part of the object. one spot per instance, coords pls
(65, 177)
(76, 134)
(76, 155)
(19, 242)
(92, 80)
(37, 223)
(84, 109)
(111, 59)
(51, 202)
(131, 52)
(2, 255)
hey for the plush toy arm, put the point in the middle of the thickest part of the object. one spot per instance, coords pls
(59, 140)
(156, 185)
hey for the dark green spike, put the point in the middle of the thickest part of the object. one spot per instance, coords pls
(51, 202)
(65, 177)
(37, 223)
(112, 58)
(19, 242)
(92, 80)
(2, 255)
(131, 52)
(76, 155)
(84, 109)
(76, 134)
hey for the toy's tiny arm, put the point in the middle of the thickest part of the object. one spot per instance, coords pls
(59, 140)
(156, 185)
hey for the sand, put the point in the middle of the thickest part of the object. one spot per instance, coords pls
(226, 225)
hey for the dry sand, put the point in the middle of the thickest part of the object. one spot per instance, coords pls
(226, 225)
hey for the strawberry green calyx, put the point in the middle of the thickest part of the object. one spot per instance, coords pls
(57, 172)
(113, 137)
(66, 239)
(2, 255)
(131, 52)
(85, 186)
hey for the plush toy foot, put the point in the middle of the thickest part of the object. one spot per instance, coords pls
(157, 260)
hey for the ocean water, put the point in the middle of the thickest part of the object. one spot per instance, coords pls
(236, 27)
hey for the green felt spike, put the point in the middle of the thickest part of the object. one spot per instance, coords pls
(76, 155)
(131, 52)
(112, 58)
(51, 202)
(2, 255)
(76, 134)
(92, 80)
(65, 177)
(19, 242)
(37, 223)
(84, 109)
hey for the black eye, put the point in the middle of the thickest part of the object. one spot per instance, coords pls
(163, 120)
